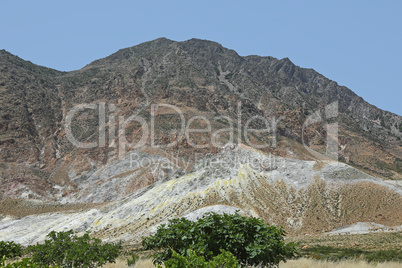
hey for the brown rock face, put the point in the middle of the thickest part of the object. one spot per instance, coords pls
(198, 78)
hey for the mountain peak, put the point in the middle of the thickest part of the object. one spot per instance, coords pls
(160, 47)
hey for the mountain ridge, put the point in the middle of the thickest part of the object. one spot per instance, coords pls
(201, 77)
(164, 39)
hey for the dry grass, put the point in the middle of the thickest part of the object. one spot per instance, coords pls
(21, 208)
(318, 165)
(370, 242)
(299, 263)
(122, 263)
(308, 263)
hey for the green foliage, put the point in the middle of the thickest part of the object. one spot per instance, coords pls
(68, 250)
(228, 76)
(218, 73)
(337, 254)
(225, 259)
(9, 249)
(384, 255)
(132, 259)
(249, 239)
(13, 250)
(192, 260)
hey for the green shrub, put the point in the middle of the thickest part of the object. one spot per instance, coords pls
(250, 240)
(9, 249)
(384, 255)
(224, 260)
(132, 259)
(336, 254)
(68, 250)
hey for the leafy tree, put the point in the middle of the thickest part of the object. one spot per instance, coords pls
(250, 240)
(68, 250)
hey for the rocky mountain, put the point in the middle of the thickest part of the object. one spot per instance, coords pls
(152, 115)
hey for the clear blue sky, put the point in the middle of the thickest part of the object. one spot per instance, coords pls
(356, 43)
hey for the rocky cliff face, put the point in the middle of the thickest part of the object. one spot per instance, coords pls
(303, 196)
(107, 142)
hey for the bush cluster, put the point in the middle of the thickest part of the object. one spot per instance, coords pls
(250, 240)
(9, 249)
(62, 249)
